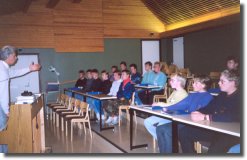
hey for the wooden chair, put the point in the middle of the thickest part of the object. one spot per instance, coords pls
(184, 71)
(215, 76)
(71, 110)
(66, 106)
(190, 85)
(60, 102)
(80, 117)
(126, 108)
(172, 69)
(157, 98)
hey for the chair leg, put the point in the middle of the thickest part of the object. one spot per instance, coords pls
(62, 123)
(84, 127)
(119, 116)
(53, 117)
(135, 117)
(66, 127)
(57, 119)
(50, 113)
(89, 127)
(127, 114)
(71, 131)
(154, 142)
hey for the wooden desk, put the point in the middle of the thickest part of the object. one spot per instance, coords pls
(100, 97)
(147, 87)
(222, 127)
(148, 109)
(25, 132)
(231, 128)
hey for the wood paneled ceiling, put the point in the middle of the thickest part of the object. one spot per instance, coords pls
(179, 13)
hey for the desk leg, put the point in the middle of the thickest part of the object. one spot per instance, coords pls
(174, 137)
(100, 119)
(131, 133)
(131, 128)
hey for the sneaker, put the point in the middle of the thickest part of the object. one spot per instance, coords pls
(109, 120)
(115, 120)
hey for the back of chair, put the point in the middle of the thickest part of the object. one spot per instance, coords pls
(77, 105)
(190, 85)
(214, 75)
(184, 71)
(71, 103)
(132, 102)
(84, 109)
(62, 98)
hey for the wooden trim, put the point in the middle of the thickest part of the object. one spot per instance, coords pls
(201, 26)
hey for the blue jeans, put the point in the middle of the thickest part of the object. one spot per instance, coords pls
(152, 122)
(234, 149)
(137, 98)
(95, 105)
(3, 123)
(164, 137)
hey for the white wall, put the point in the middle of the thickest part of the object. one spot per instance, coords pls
(150, 52)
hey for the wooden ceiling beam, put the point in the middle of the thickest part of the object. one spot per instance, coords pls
(52, 3)
(201, 26)
(26, 5)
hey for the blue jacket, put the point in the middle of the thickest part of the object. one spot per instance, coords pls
(125, 92)
(192, 102)
(136, 78)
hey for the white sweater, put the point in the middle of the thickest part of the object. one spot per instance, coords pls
(5, 74)
(115, 87)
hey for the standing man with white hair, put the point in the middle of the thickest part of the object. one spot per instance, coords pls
(8, 57)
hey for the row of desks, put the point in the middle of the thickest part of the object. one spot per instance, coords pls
(222, 127)
(232, 128)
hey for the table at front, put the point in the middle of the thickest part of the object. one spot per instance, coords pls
(143, 108)
(232, 128)
(99, 97)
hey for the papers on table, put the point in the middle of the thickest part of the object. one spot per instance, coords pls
(27, 99)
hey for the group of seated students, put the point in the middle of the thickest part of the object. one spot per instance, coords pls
(202, 106)
(200, 103)
(120, 84)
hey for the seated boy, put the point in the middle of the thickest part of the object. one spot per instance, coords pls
(159, 79)
(97, 83)
(135, 76)
(81, 82)
(200, 98)
(225, 107)
(116, 83)
(106, 83)
(124, 95)
(177, 82)
(113, 69)
(89, 82)
(105, 89)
